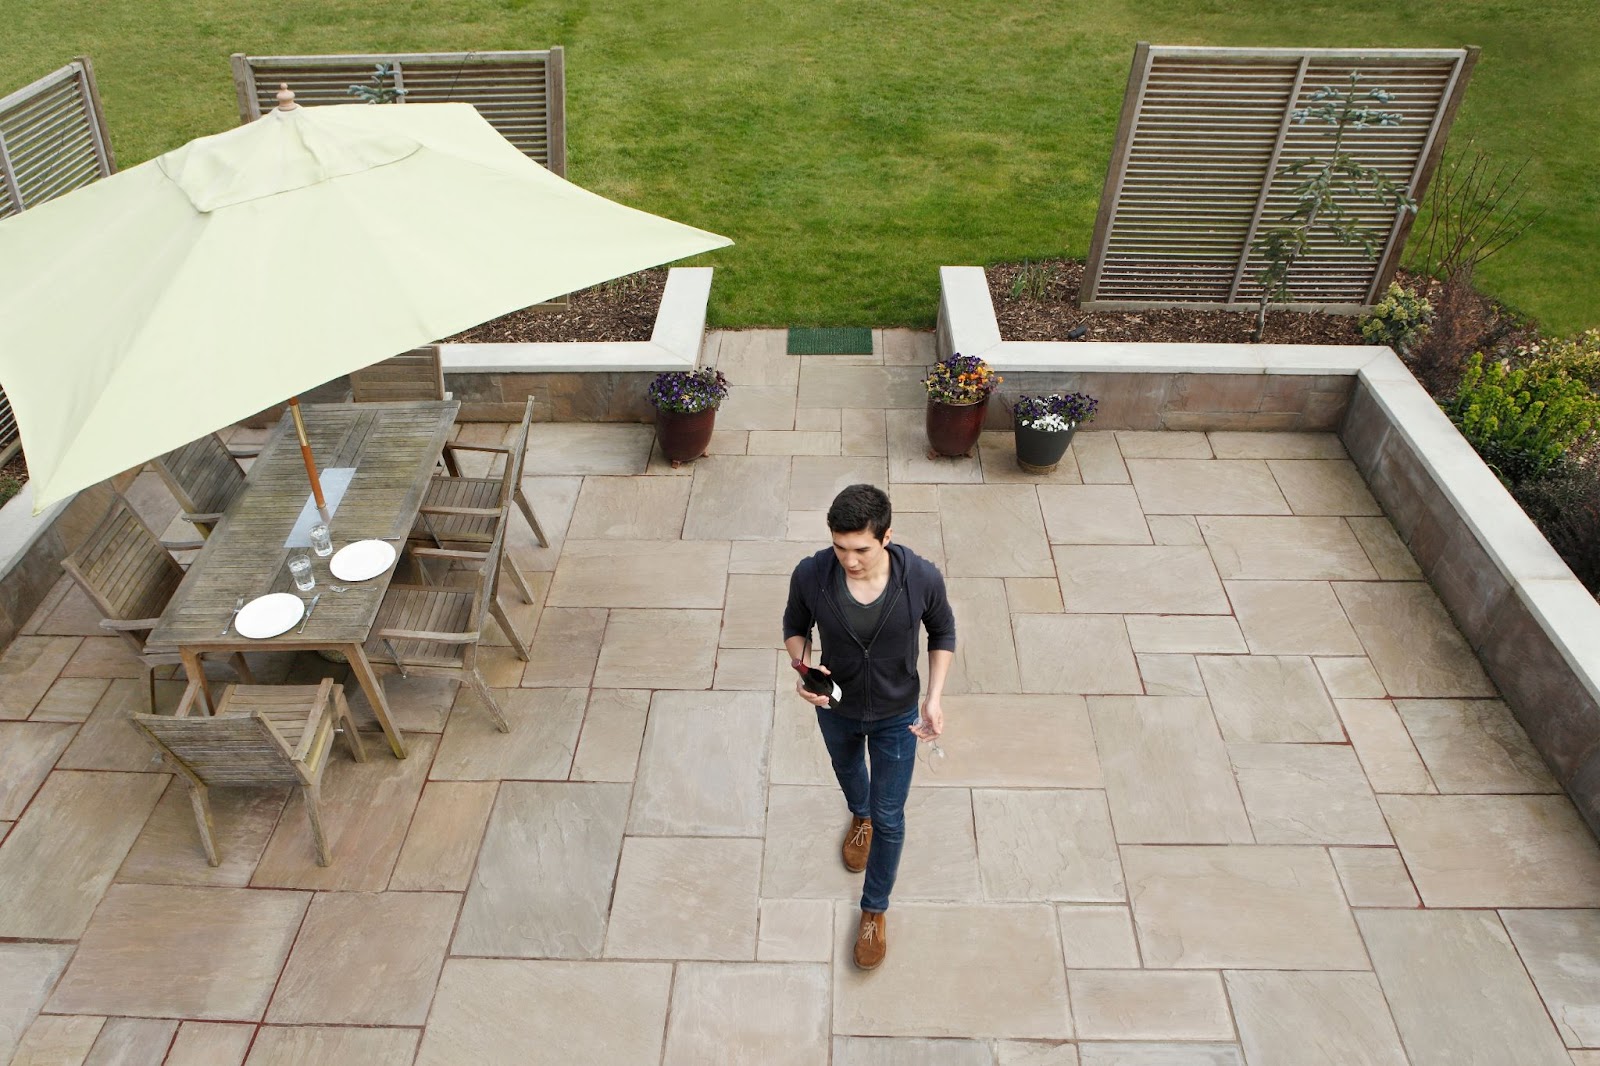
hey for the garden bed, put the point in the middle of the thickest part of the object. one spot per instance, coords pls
(1038, 301)
(620, 310)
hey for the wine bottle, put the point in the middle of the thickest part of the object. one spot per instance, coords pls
(814, 680)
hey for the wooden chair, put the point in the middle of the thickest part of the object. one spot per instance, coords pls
(464, 508)
(462, 514)
(414, 375)
(435, 629)
(204, 476)
(261, 735)
(130, 576)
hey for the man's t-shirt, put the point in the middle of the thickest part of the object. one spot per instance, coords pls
(862, 618)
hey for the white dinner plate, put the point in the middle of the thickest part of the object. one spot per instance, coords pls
(361, 560)
(267, 616)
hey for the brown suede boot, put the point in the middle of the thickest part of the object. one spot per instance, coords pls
(871, 942)
(857, 843)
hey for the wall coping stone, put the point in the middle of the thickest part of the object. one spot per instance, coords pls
(1566, 610)
(674, 344)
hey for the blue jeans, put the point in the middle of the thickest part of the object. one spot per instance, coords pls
(881, 796)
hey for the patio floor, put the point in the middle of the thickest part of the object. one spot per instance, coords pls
(1223, 785)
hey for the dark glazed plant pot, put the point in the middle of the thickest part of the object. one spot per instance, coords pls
(1038, 450)
(684, 437)
(953, 428)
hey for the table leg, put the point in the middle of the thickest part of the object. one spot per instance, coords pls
(374, 690)
(196, 670)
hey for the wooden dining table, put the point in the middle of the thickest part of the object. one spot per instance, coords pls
(393, 448)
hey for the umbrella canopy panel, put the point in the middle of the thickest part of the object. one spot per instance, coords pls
(186, 293)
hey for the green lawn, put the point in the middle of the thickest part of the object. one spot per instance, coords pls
(850, 149)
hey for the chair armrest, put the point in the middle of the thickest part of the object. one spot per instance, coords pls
(307, 738)
(183, 545)
(129, 624)
(472, 512)
(451, 553)
(206, 517)
(244, 451)
(498, 449)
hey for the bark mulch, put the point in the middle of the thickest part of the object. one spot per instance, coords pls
(620, 310)
(1050, 317)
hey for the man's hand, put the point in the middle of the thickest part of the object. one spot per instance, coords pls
(811, 697)
(931, 724)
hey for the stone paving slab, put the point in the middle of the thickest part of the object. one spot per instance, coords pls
(1438, 968)
(166, 951)
(328, 1046)
(366, 958)
(27, 974)
(168, 851)
(546, 868)
(1314, 1019)
(62, 854)
(210, 1044)
(1002, 974)
(1211, 743)
(771, 1013)
(1240, 907)
(481, 1013)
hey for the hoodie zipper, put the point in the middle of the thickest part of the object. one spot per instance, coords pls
(866, 649)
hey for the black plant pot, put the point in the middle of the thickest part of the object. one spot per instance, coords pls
(1039, 450)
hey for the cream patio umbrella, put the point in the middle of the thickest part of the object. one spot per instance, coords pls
(181, 295)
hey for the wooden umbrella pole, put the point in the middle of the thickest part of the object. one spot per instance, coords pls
(311, 461)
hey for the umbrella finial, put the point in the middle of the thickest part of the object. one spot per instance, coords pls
(286, 97)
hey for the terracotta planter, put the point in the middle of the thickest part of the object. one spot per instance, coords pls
(684, 437)
(953, 428)
(1038, 450)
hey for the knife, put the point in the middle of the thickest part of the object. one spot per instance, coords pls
(307, 618)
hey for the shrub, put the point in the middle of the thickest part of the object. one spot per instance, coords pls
(688, 392)
(961, 379)
(1565, 505)
(1522, 422)
(1576, 357)
(1398, 320)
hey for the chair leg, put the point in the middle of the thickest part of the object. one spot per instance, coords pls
(499, 614)
(450, 463)
(516, 576)
(313, 798)
(481, 687)
(351, 737)
(242, 668)
(533, 523)
(200, 800)
(150, 685)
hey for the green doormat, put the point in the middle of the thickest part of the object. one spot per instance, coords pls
(844, 341)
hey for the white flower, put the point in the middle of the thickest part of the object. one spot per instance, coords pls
(1051, 423)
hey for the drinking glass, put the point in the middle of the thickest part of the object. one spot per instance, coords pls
(321, 540)
(300, 568)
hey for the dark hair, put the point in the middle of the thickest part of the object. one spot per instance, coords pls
(860, 507)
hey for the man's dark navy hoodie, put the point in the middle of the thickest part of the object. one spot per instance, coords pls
(878, 677)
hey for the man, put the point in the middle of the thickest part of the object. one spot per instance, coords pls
(867, 595)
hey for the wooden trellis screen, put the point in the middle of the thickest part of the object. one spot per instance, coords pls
(52, 140)
(1194, 172)
(521, 94)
